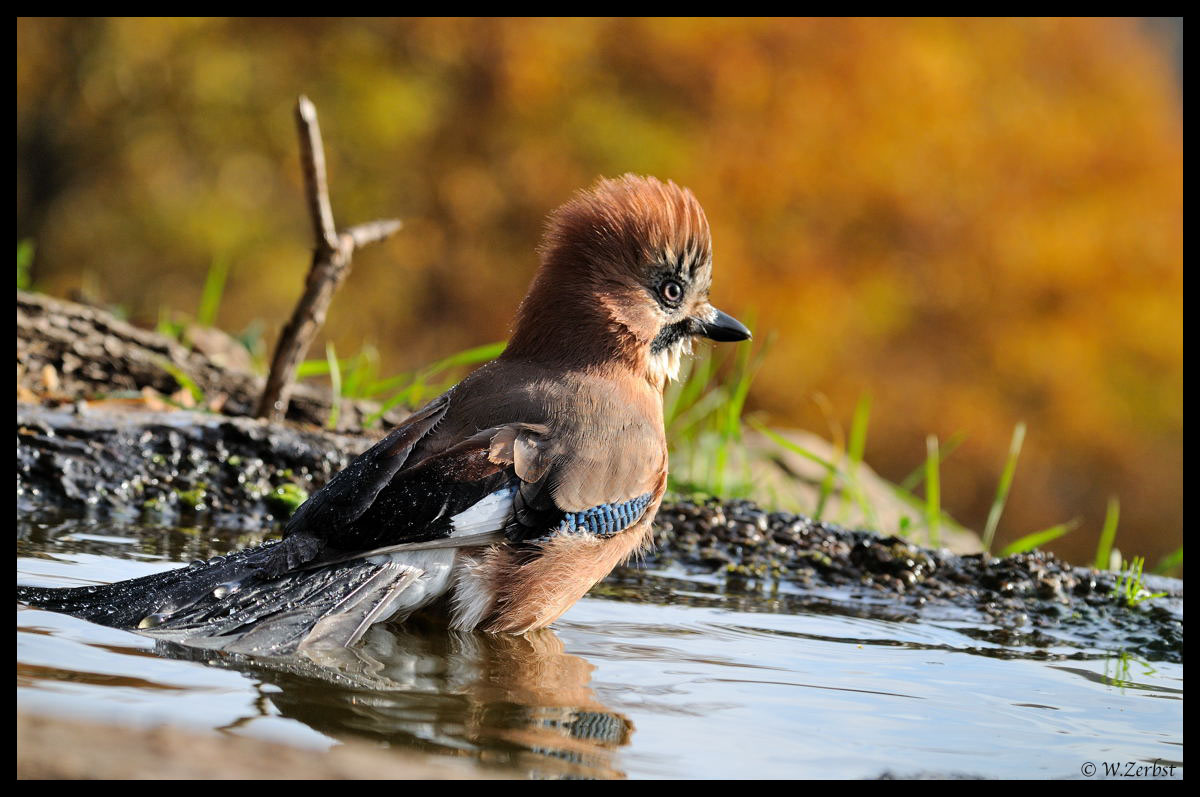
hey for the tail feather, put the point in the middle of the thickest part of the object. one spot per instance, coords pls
(236, 604)
(126, 604)
(279, 616)
(368, 604)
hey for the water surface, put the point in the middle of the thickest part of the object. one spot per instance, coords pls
(656, 678)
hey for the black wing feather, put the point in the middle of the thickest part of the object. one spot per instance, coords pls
(418, 505)
(353, 490)
(534, 510)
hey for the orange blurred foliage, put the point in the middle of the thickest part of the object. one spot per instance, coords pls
(976, 221)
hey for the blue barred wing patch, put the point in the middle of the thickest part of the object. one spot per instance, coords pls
(604, 520)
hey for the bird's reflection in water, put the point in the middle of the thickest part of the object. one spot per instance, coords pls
(511, 701)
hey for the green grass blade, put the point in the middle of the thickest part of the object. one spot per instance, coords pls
(353, 375)
(374, 417)
(913, 480)
(690, 422)
(933, 492)
(858, 444)
(748, 365)
(1108, 534)
(416, 385)
(1170, 561)
(694, 383)
(1130, 586)
(214, 287)
(823, 494)
(729, 416)
(25, 250)
(1006, 478)
(858, 429)
(167, 326)
(183, 379)
(411, 396)
(252, 339)
(389, 385)
(917, 504)
(831, 470)
(310, 368)
(478, 354)
(371, 372)
(675, 389)
(1038, 538)
(335, 382)
(362, 372)
(794, 447)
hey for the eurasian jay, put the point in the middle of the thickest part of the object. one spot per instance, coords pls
(502, 501)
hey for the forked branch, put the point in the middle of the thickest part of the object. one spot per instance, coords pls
(332, 253)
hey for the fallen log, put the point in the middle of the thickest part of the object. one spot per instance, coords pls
(73, 351)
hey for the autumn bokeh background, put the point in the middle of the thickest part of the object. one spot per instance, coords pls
(976, 222)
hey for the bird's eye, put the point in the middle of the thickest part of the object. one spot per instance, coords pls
(671, 291)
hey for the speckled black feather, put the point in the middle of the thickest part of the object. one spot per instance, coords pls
(126, 603)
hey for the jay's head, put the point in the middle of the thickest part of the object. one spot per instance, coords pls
(625, 272)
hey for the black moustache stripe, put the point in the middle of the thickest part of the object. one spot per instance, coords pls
(669, 336)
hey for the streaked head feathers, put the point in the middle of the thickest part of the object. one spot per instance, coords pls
(628, 222)
(626, 267)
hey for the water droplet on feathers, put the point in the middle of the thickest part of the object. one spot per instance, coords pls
(223, 590)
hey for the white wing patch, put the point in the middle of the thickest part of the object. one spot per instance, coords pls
(434, 568)
(489, 514)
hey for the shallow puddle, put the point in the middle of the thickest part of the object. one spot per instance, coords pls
(653, 678)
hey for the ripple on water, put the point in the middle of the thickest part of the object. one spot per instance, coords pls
(666, 682)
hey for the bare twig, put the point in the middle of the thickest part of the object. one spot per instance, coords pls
(316, 184)
(330, 266)
(372, 231)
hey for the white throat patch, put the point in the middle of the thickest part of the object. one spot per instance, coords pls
(664, 366)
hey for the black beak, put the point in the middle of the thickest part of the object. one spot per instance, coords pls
(724, 329)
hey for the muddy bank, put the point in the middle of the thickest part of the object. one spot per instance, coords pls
(188, 468)
(170, 468)
(1031, 600)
